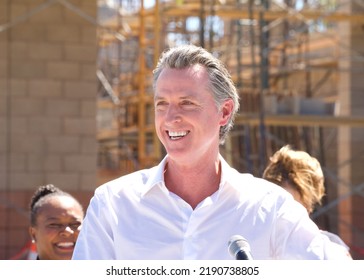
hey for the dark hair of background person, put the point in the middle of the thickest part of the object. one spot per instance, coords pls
(38, 200)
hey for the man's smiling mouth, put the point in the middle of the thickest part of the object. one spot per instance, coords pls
(175, 135)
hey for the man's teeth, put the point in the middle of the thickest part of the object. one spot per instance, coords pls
(177, 135)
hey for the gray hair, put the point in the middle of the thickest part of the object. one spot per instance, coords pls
(221, 84)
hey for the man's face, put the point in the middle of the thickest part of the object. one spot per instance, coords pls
(186, 116)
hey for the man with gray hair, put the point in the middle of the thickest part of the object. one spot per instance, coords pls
(193, 202)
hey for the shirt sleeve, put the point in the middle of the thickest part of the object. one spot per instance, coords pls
(296, 236)
(95, 241)
(335, 248)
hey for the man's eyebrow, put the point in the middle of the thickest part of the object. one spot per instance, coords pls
(189, 96)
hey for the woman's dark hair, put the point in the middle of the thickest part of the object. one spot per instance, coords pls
(40, 196)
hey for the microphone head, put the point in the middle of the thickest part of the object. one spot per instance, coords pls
(236, 244)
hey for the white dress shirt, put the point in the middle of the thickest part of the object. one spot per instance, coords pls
(136, 217)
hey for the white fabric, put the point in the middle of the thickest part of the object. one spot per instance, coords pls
(136, 217)
(337, 247)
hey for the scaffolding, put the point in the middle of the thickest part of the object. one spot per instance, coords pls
(266, 45)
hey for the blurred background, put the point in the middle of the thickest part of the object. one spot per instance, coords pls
(76, 98)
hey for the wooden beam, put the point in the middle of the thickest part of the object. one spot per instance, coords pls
(301, 120)
(233, 13)
(304, 14)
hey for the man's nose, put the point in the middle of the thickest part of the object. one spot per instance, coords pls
(173, 114)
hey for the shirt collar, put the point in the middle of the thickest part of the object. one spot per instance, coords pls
(226, 171)
(157, 175)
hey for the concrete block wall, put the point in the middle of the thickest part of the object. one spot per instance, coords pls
(47, 107)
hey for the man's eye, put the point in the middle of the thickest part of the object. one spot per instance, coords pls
(189, 104)
(161, 105)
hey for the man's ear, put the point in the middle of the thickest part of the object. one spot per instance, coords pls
(226, 110)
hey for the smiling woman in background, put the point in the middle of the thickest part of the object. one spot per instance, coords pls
(55, 222)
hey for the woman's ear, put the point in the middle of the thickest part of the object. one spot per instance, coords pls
(32, 232)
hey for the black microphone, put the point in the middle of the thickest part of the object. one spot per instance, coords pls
(239, 248)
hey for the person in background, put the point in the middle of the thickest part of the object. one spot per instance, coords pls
(193, 202)
(301, 175)
(55, 221)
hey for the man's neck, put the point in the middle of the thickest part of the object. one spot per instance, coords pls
(193, 184)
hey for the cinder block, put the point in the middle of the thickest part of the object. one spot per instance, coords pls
(63, 70)
(3, 165)
(23, 106)
(88, 13)
(35, 162)
(66, 33)
(18, 50)
(53, 14)
(81, 90)
(45, 126)
(63, 144)
(73, 126)
(88, 109)
(3, 152)
(52, 163)
(3, 68)
(19, 126)
(80, 163)
(30, 3)
(18, 162)
(80, 53)
(28, 32)
(45, 51)
(3, 49)
(18, 10)
(29, 144)
(62, 108)
(19, 87)
(3, 126)
(25, 180)
(28, 69)
(88, 71)
(89, 145)
(88, 35)
(88, 181)
(3, 88)
(3, 107)
(66, 181)
(45, 88)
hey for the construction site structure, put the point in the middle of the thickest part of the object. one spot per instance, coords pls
(296, 65)
(265, 44)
